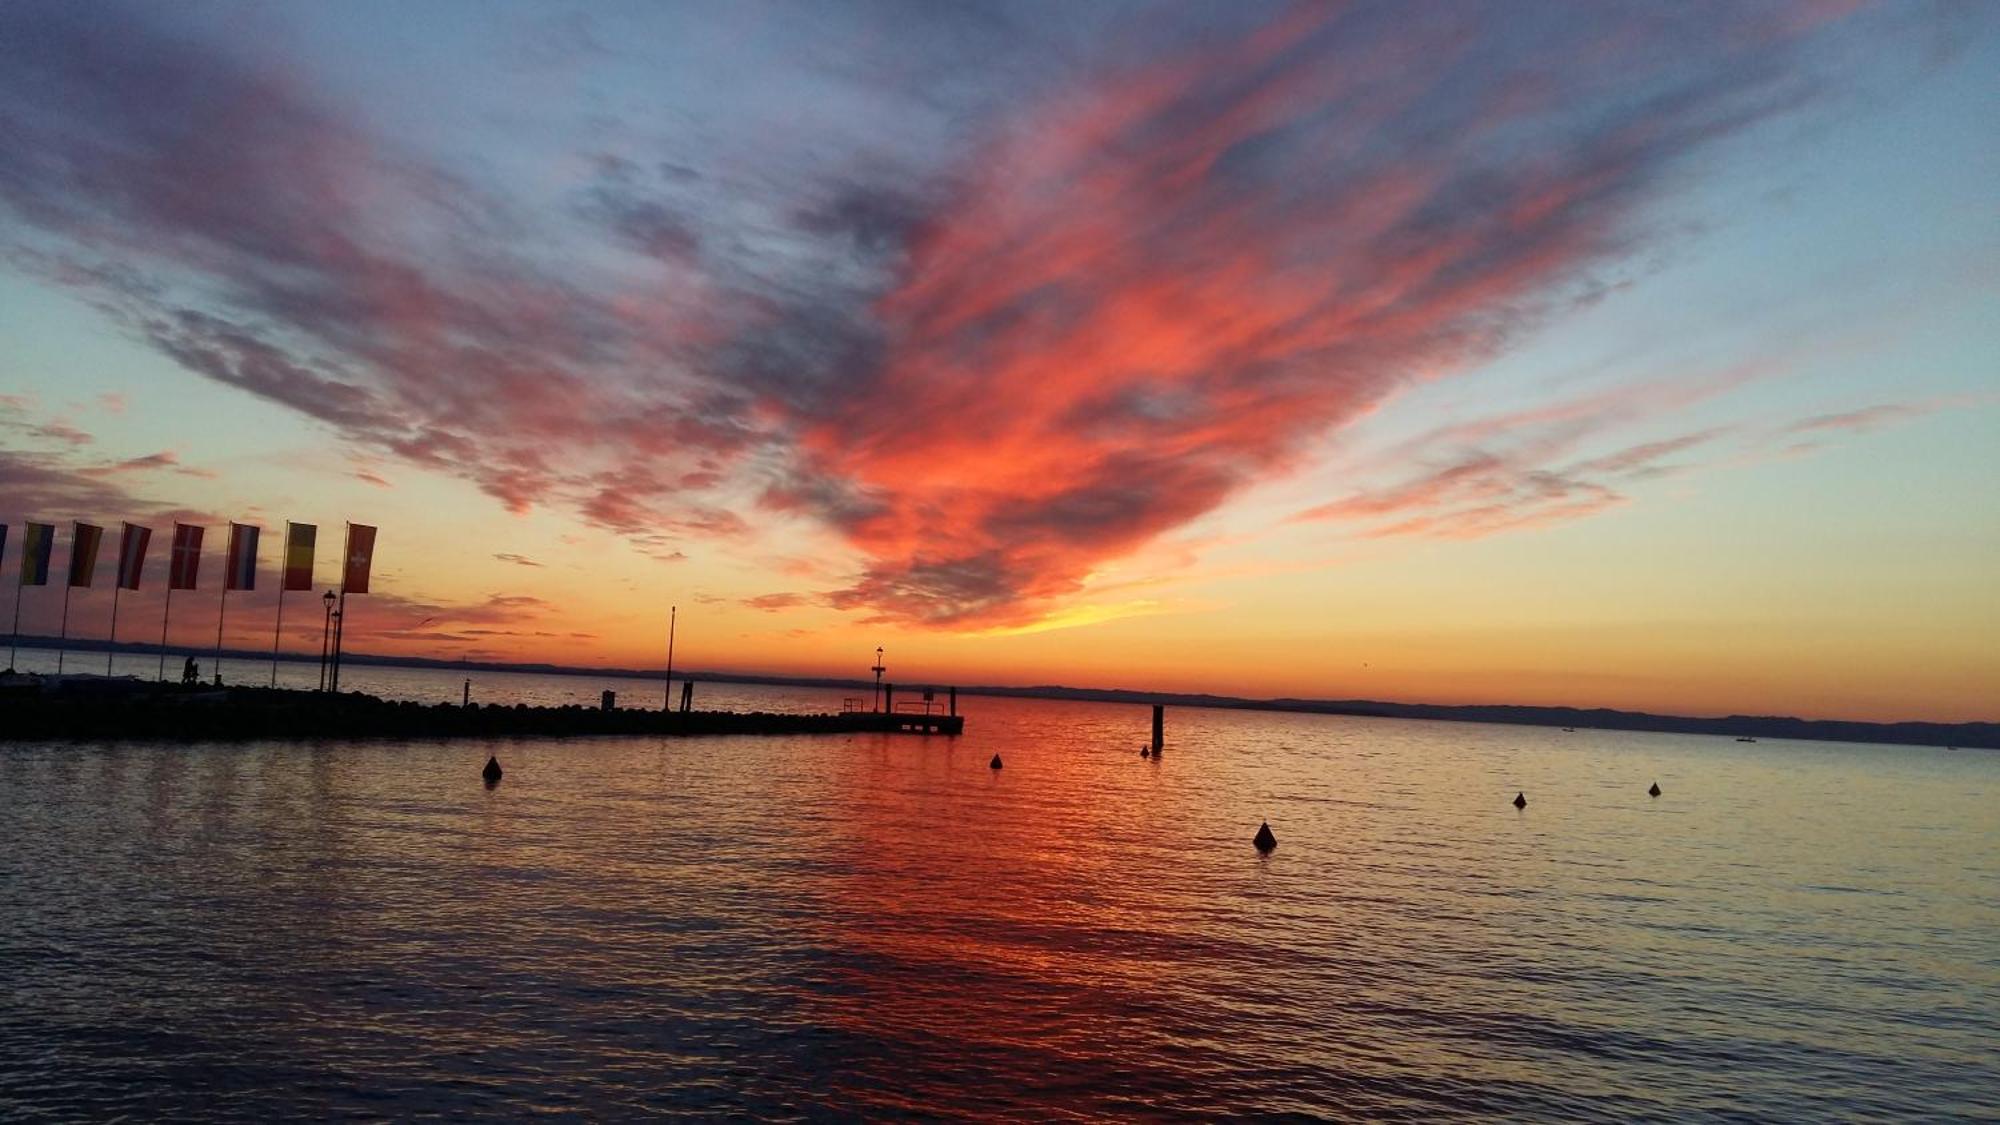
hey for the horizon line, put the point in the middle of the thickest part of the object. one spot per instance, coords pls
(1472, 712)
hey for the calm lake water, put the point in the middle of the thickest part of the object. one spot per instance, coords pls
(873, 926)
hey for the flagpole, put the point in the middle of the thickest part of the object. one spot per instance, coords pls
(340, 614)
(62, 635)
(276, 630)
(14, 638)
(116, 589)
(339, 626)
(163, 622)
(667, 703)
(221, 609)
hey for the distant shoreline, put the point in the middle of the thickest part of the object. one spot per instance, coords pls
(1974, 735)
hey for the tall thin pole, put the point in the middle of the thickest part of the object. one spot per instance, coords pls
(116, 589)
(325, 637)
(340, 615)
(163, 625)
(62, 635)
(339, 627)
(14, 638)
(279, 627)
(667, 698)
(220, 610)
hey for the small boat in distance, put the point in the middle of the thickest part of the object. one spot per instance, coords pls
(1571, 730)
(1746, 738)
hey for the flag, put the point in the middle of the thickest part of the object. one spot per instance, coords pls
(299, 538)
(360, 553)
(83, 553)
(132, 555)
(184, 563)
(37, 539)
(241, 572)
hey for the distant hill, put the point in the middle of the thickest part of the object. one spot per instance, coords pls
(1963, 735)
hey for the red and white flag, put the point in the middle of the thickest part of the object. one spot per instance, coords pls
(241, 570)
(184, 562)
(132, 555)
(360, 555)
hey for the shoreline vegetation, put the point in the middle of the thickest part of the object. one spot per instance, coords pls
(1972, 735)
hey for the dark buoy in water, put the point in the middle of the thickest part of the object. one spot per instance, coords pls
(1520, 800)
(1145, 751)
(492, 771)
(1654, 791)
(1264, 840)
(995, 763)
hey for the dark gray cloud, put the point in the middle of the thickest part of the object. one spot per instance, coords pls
(997, 292)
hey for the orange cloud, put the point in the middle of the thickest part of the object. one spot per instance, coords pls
(1154, 292)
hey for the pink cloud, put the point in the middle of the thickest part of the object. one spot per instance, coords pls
(164, 461)
(1137, 294)
(1136, 307)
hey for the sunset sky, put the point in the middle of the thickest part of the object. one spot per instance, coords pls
(1642, 355)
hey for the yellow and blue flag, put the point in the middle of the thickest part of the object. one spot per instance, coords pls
(299, 539)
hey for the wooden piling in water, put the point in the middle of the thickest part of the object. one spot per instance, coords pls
(1159, 726)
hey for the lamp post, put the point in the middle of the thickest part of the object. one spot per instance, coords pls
(325, 637)
(878, 677)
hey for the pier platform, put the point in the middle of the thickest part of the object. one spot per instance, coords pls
(85, 712)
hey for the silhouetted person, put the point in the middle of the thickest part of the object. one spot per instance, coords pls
(190, 671)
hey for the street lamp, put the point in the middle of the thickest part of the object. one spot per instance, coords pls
(878, 677)
(325, 632)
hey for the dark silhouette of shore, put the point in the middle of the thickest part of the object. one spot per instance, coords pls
(99, 709)
(1975, 735)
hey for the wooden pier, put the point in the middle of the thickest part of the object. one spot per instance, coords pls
(123, 709)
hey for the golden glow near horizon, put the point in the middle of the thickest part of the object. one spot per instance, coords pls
(1532, 387)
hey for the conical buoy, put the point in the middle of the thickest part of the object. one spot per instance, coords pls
(995, 763)
(1520, 800)
(492, 771)
(1264, 840)
(1144, 752)
(1654, 791)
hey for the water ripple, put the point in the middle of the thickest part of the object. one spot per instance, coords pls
(870, 926)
